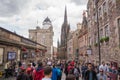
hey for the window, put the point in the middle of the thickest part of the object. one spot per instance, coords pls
(106, 31)
(104, 8)
(101, 33)
(100, 13)
(96, 38)
(119, 29)
(119, 22)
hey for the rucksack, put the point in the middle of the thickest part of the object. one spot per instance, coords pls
(59, 72)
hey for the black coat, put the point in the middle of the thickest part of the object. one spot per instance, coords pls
(94, 76)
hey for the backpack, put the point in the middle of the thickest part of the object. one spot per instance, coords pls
(76, 72)
(59, 72)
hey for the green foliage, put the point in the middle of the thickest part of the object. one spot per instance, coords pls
(102, 40)
(106, 39)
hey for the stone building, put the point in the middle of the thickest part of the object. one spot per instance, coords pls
(83, 39)
(109, 29)
(14, 47)
(43, 36)
(70, 53)
(62, 47)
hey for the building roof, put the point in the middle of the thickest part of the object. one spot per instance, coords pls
(20, 36)
(47, 20)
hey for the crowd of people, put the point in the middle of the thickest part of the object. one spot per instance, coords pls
(49, 69)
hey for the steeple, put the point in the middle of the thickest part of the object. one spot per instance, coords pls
(65, 15)
(58, 43)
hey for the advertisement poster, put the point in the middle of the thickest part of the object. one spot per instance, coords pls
(11, 55)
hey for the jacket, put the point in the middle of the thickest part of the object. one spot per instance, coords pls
(87, 73)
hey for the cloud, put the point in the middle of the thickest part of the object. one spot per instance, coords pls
(11, 7)
(22, 15)
(80, 2)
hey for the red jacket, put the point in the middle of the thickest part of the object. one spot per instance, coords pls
(38, 75)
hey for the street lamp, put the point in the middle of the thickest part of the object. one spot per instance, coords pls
(89, 52)
(96, 4)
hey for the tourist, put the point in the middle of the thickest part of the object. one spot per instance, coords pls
(90, 74)
(101, 75)
(38, 73)
(48, 73)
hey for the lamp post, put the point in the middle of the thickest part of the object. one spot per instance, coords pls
(89, 51)
(96, 4)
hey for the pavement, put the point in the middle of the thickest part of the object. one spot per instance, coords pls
(13, 78)
(10, 78)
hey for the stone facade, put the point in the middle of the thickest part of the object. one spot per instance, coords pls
(43, 36)
(109, 24)
(83, 40)
(70, 53)
(14, 47)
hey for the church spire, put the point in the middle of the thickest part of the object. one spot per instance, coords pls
(65, 15)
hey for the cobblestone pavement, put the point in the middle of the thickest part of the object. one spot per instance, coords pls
(11, 78)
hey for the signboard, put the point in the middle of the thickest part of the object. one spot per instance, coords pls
(1, 55)
(11, 55)
(89, 51)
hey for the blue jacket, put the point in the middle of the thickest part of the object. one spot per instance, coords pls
(54, 74)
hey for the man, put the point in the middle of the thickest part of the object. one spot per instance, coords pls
(54, 73)
(48, 73)
(90, 74)
(22, 75)
(101, 75)
(38, 73)
(103, 66)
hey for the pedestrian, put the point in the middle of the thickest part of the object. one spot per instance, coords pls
(7, 65)
(54, 73)
(103, 66)
(22, 75)
(29, 71)
(59, 72)
(90, 74)
(76, 72)
(70, 77)
(101, 75)
(48, 73)
(83, 69)
(38, 73)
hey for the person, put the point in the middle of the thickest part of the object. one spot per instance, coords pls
(59, 72)
(76, 72)
(7, 65)
(22, 75)
(101, 75)
(90, 74)
(70, 77)
(48, 73)
(83, 69)
(54, 73)
(38, 73)
(103, 66)
(29, 71)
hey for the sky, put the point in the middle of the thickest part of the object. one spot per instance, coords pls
(21, 15)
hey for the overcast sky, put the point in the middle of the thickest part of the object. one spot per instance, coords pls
(22, 15)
